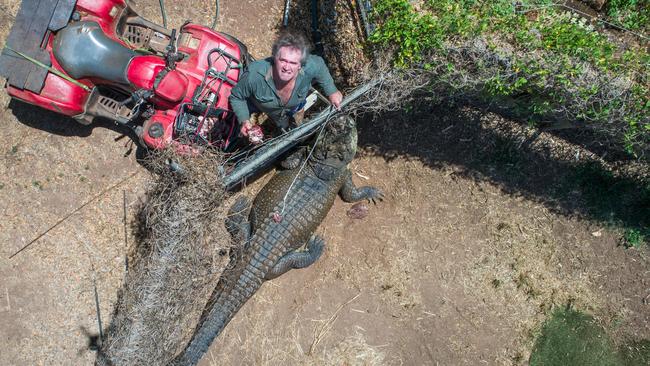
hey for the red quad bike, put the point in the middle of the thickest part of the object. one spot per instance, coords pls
(98, 58)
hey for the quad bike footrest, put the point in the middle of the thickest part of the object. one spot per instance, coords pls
(106, 106)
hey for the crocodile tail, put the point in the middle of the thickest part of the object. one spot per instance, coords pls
(215, 320)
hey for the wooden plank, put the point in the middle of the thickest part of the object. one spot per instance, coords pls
(10, 64)
(26, 36)
(25, 44)
(36, 76)
(62, 14)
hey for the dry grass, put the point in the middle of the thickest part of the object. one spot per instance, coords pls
(263, 345)
(353, 351)
(393, 90)
(181, 249)
(520, 267)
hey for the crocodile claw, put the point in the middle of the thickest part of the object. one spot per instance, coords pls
(290, 163)
(293, 160)
(374, 194)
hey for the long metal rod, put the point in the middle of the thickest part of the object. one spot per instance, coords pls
(216, 15)
(315, 30)
(126, 235)
(364, 17)
(269, 153)
(99, 315)
(285, 16)
(61, 220)
(164, 13)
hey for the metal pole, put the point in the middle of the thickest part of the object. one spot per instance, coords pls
(285, 17)
(126, 235)
(364, 17)
(99, 315)
(164, 13)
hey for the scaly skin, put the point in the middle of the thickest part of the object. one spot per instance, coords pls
(280, 226)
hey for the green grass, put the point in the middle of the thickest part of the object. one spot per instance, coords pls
(636, 353)
(570, 337)
(573, 338)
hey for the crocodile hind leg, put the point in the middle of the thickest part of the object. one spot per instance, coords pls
(350, 193)
(237, 221)
(239, 228)
(295, 260)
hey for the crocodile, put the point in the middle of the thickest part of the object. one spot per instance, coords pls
(281, 220)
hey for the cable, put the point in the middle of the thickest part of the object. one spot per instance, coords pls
(164, 13)
(304, 163)
(216, 14)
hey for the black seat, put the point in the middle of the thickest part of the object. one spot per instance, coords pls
(84, 51)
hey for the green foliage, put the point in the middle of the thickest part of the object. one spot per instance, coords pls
(634, 238)
(570, 337)
(558, 65)
(570, 35)
(402, 25)
(631, 14)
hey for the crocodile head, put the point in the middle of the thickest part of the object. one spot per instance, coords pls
(337, 144)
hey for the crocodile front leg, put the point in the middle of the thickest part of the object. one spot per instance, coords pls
(296, 260)
(293, 160)
(350, 193)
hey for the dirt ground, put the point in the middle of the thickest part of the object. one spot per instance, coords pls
(458, 266)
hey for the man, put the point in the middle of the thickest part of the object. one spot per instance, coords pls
(279, 85)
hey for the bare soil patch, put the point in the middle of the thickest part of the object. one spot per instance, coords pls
(474, 245)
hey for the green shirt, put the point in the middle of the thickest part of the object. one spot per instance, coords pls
(256, 86)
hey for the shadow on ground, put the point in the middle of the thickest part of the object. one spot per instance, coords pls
(57, 124)
(486, 147)
(51, 122)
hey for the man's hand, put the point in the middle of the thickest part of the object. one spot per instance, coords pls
(254, 133)
(336, 98)
(245, 127)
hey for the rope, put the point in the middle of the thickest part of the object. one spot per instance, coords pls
(304, 163)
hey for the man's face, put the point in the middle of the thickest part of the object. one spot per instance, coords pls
(287, 63)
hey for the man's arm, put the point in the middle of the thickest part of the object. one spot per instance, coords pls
(326, 82)
(239, 96)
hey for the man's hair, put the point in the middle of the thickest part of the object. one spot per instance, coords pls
(294, 40)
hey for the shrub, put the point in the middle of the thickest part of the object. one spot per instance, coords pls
(547, 65)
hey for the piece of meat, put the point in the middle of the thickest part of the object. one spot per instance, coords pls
(358, 211)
